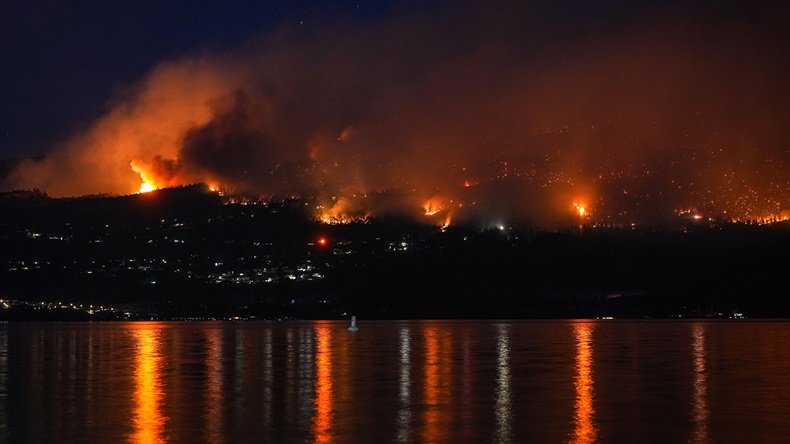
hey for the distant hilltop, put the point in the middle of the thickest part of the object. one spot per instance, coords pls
(169, 202)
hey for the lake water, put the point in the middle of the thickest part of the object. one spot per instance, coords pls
(530, 381)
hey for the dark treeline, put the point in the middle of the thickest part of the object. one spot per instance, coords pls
(183, 253)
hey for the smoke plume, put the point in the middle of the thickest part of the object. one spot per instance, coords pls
(502, 113)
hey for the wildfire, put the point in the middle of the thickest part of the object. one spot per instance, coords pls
(344, 210)
(146, 175)
(340, 219)
(433, 206)
(446, 223)
(146, 188)
(581, 209)
(158, 173)
(783, 216)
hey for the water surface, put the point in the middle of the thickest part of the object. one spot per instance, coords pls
(530, 381)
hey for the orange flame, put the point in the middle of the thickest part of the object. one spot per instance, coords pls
(581, 209)
(146, 174)
(343, 211)
(159, 173)
(447, 222)
(146, 188)
(433, 206)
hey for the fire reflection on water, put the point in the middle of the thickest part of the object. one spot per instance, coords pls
(586, 431)
(438, 396)
(268, 378)
(322, 418)
(149, 421)
(503, 396)
(431, 385)
(404, 392)
(214, 366)
(700, 412)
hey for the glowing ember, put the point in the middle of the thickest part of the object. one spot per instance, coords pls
(581, 209)
(322, 241)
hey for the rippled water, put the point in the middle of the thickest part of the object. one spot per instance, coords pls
(529, 381)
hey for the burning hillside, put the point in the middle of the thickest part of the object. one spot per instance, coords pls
(627, 127)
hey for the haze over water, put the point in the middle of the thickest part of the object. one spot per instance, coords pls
(487, 381)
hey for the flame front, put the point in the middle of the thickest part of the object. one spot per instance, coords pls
(149, 183)
(343, 211)
(146, 187)
(433, 206)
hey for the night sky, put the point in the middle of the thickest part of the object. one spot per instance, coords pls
(62, 62)
(632, 109)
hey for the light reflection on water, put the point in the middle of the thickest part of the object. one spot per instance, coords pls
(214, 391)
(503, 395)
(322, 418)
(268, 379)
(586, 429)
(148, 419)
(405, 382)
(432, 367)
(700, 412)
(404, 386)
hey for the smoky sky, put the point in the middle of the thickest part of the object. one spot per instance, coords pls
(511, 110)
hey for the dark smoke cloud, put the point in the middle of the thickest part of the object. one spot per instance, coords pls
(509, 112)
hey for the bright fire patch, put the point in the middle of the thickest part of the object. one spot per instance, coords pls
(146, 187)
(433, 206)
(580, 208)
